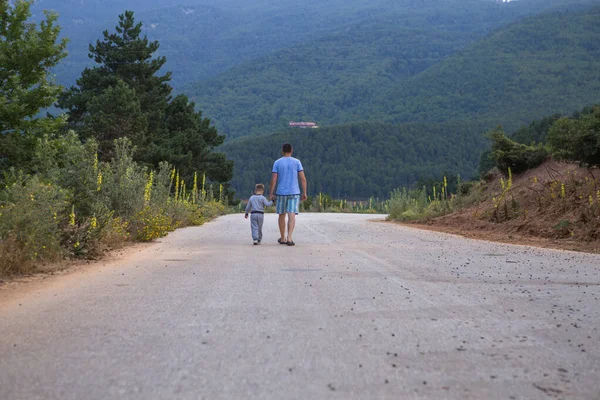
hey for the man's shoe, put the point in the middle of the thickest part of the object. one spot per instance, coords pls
(256, 242)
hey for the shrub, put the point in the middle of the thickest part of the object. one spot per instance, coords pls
(123, 182)
(31, 216)
(509, 154)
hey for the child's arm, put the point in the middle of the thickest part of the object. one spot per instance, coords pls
(248, 208)
(267, 202)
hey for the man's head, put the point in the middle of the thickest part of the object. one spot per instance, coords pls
(259, 188)
(287, 149)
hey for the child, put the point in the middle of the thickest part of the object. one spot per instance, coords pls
(256, 207)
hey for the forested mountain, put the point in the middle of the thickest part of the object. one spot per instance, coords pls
(539, 66)
(398, 73)
(202, 38)
(322, 79)
(364, 159)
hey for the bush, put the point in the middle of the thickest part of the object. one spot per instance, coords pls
(507, 153)
(577, 139)
(31, 217)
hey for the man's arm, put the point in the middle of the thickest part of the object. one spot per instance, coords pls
(272, 186)
(303, 184)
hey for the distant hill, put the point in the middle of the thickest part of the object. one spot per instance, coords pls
(391, 71)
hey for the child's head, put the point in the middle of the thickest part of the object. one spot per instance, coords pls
(259, 188)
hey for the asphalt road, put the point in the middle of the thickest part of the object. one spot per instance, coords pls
(357, 310)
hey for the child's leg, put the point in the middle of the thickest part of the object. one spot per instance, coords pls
(254, 226)
(261, 220)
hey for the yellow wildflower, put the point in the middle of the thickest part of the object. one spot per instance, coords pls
(72, 216)
(148, 189)
(99, 181)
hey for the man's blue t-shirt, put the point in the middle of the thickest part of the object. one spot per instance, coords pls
(287, 169)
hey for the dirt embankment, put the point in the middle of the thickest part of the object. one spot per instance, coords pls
(556, 205)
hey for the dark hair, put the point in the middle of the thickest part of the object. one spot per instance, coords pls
(259, 187)
(287, 148)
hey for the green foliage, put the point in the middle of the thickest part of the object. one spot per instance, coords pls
(114, 114)
(27, 53)
(518, 157)
(577, 139)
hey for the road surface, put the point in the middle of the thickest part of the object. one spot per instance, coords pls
(358, 309)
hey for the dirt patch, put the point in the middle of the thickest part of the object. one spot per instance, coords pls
(503, 237)
(556, 205)
(55, 274)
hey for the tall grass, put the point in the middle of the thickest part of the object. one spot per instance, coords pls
(422, 204)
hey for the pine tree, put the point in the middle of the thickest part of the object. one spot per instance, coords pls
(124, 56)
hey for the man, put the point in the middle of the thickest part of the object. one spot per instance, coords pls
(287, 172)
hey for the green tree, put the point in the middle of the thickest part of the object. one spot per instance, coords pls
(124, 96)
(510, 154)
(124, 56)
(27, 53)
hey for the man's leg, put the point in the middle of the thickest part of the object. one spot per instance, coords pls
(282, 227)
(291, 225)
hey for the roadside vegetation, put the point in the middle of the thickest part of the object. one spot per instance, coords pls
(127, 162)
(549, 187)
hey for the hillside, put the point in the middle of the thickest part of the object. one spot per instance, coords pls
(401, 73)
(361, 160)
